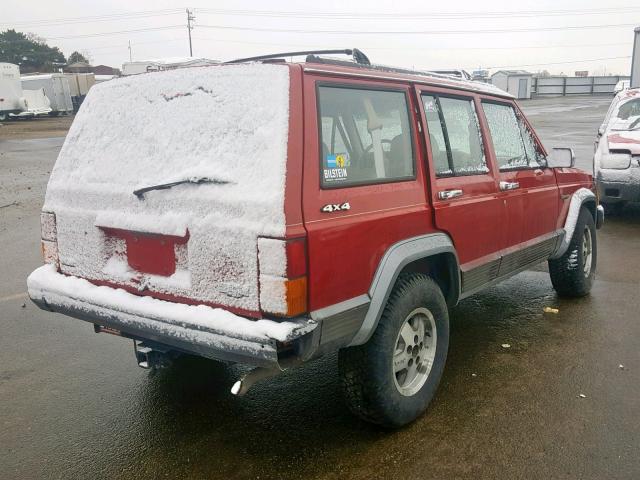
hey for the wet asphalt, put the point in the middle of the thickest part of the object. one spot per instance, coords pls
(73, 404)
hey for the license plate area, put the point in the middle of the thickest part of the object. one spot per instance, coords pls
(149, 253)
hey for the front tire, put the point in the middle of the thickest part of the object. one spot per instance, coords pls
(391, 379)
(572, 274)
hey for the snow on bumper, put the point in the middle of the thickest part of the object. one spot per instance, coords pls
(210, 332)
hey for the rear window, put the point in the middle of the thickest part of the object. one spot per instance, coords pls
(365, 137)
(228, 124)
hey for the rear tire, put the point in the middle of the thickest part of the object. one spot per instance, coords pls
(3, 116)
(572, 274)
(391, 379)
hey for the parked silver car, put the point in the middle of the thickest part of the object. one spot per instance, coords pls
(616, 162)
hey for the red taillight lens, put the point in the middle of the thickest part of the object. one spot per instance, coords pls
(49, 235)
(296, 258)
(283, 281)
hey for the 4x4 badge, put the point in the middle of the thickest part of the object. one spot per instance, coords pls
(335, 207)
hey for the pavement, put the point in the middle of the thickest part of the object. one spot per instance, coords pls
(562, 402)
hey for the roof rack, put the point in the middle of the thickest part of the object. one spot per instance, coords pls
(358, 56)
(360, 60)
(451, 74)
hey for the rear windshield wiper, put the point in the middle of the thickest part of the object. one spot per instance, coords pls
(163, 186)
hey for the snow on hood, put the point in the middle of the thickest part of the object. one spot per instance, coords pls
(624, 140)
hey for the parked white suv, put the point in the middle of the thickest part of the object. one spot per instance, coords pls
(616, 160)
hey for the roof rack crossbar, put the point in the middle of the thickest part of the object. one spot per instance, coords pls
(357, 55)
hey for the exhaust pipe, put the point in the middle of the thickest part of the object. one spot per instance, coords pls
(243, 385)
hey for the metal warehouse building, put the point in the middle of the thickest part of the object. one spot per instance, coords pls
(515, 82)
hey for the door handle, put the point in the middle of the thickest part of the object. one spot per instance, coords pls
(449, 194)
(504, 186)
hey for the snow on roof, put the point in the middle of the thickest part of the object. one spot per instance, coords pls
(174, 61)
(513, 72)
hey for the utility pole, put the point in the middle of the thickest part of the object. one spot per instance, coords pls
(130, 55)
(635, 60)
(190, 18)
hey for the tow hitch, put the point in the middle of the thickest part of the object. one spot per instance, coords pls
(153, 356)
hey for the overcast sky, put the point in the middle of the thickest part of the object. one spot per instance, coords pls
(537, 38)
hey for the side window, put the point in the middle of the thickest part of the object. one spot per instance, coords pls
(513, 143)
(365, 136)
(454, 134)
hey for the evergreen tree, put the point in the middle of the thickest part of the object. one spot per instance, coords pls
(29, 51)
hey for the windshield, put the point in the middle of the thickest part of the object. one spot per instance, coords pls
(627, 116)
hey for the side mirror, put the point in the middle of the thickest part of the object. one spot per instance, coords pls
(616, 161)
(561, 157)
(601, 131)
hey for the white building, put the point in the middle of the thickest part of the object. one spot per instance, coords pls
(515, 82)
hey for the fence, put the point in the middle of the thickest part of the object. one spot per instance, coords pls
(541, 86)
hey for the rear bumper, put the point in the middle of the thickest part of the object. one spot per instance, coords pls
(200, 330)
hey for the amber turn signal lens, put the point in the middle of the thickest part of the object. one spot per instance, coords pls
(296, 291)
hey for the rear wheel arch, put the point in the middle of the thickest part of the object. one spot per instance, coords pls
(443, 269)
(431, 254)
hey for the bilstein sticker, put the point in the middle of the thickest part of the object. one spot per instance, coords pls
(335, 174)
(336, 167)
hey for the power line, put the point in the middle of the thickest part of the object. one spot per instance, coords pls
(561, 63)
(133, 44)
(328, 15)
(93, 18)
(409, 16)
(419, 48)
(100, 34)
(421, 32)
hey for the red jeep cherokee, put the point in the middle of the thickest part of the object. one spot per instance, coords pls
(266, 213)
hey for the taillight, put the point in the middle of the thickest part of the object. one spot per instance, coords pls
(283, 276)
(49, 236)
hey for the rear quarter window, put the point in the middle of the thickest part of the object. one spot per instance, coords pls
(365, 136)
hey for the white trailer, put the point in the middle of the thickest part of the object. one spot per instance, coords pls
(11, 97)
(79, 85)
(56, 88)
